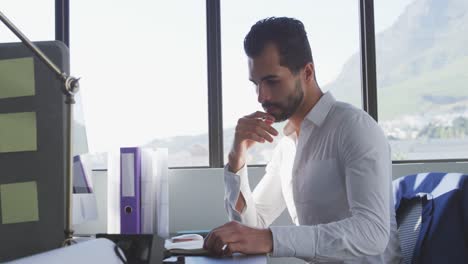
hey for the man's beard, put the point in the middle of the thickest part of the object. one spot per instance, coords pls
(290, 104)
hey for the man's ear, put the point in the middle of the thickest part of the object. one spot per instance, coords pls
(309, 72)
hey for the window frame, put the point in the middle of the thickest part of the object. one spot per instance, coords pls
(214, 72)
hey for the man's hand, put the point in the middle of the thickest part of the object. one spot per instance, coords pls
(250, 129)
(234, 237)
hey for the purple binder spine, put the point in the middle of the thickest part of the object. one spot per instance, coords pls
(130, 205)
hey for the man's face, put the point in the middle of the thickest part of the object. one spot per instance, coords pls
(279, 90)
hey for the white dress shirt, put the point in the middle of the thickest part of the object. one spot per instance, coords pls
(335, 181)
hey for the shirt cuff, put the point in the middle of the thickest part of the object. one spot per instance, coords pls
(234, 184)
(294, 241)
(282, 244)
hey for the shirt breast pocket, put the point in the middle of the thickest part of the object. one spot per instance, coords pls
(317, 181)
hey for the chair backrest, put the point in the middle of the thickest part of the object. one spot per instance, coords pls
(408, 218)
(432, 216)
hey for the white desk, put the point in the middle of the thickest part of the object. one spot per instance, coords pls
(103, 251)
(92, 251)
(237, 259)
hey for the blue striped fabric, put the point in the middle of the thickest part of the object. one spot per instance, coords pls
(409, 225)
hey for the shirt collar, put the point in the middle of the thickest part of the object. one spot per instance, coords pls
(317, 114)
(289, 129)
(321, 109)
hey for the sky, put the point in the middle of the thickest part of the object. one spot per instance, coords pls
(143, 62)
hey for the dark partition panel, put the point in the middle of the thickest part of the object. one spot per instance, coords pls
(32, 173)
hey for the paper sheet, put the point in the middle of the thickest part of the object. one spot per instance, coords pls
(17, 77)
(162, 190)
(99, 250)
(189, 244)
(113, 191)
(18, 202)
(189, 241)
(18, 132)
(84, 208)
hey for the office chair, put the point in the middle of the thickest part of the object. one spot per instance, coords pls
(432, 217)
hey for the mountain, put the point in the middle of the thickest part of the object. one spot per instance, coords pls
(422, 62)
(421, 58)
(188, 151)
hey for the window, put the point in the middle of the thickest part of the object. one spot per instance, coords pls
(422, 57)
(334, 38)
(144, 79)
(37, 21)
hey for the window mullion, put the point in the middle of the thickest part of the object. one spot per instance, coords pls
(368, 66)
(215, 109)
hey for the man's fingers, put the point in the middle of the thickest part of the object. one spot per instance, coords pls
(249, 134)
(255, 137)
(261, 115)
(235, 247)
(270, 129)
(263, 134)
(210, 239)
(207, 241)
(232, 245)
(217, 241)
(258, 127)
(265, 125)
(217, 247)
(220, 245)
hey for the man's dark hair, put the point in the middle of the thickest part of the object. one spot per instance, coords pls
(289, 36)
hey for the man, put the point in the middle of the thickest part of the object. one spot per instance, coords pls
(332, 170)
